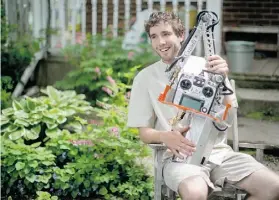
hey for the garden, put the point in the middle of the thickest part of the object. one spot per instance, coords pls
(70, 141)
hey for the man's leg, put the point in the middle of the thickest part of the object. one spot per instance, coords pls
(193, 188)
(262, 184)
(190, 181)
(248, 174)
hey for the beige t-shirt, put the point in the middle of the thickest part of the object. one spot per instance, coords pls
(146, 111)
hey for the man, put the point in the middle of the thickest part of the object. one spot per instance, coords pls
(151, 117)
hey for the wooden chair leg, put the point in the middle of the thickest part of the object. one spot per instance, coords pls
(259, 155)
(171, 194)
(158, 176)
(238, 197)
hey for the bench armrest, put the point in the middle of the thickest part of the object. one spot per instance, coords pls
(158, 146)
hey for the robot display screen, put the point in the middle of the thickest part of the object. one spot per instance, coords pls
(189, 102)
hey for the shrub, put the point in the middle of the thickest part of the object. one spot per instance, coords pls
(103, 161)
(16, 54)
(95, 60)
(6, 87)
(32, 118)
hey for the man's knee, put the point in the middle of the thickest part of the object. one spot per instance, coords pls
(194, 188)
(274, 190)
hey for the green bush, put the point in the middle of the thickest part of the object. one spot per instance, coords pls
(16, 54)
(6, 86)
(95, 60)
(98, 161)
(45, 116)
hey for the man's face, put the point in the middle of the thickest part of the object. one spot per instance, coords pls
(165, 42)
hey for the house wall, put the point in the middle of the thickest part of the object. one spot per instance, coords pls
(251, 12)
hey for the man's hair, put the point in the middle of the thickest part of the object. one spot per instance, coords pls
(166, 17)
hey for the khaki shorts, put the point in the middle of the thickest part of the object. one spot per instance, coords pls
(235, 167)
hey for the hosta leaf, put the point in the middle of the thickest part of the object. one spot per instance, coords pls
(52, 133)
(27, 170)
(44, 178)
(70, 171)
(16, 152)
(61, 119)
(51, 126)
(53, 93)
(4, 120)
(103, 191)
(36, 129)
(31, 178)
(84, 109)
(41, 108)
(48, 120)
(51, 114)
(19, 165)
(47, 163)
(17, 134)
(80, 96)
(8, 111)
(69, 94)
(21, 114)
(68, 112)
(36, 116)
(16, 105)
(11, 128)
(75, 125)
(33, 164)
(36, 144)
(112, 188)
(82, 121)
(86, 184)
(64, 178)
(29, 135)
(30, 104)
(21, 122)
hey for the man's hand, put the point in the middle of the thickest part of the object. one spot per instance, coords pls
(176, 142)
(217, 64)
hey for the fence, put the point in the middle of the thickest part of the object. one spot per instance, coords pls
(71, 17)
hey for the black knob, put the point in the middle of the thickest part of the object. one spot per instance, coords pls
(207, 91)
(185, 84)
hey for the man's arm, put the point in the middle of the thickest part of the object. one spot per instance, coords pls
(174, 140)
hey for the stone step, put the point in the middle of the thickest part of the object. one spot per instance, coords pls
(258, 100)
(257, 131)
(255, 81)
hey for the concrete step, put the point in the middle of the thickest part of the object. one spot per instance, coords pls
(258, 100)
(257, 131)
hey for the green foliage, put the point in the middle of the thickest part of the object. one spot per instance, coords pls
(96, 59)
(15, 54)
(104, 161)
(31, 118)
(268, 115)
(6, 86)
(45, 196)
(25, 167)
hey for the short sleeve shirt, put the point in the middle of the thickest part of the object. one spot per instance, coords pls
(146, 111)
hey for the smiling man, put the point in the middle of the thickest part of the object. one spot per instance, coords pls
(146, 113)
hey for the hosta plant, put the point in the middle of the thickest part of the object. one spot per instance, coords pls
(45, 116)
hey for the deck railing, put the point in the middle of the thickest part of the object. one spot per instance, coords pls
(70, 17)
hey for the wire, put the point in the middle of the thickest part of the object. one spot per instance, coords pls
(218, 128)
(226, 89)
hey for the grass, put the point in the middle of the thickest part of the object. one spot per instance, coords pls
(263, 115)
